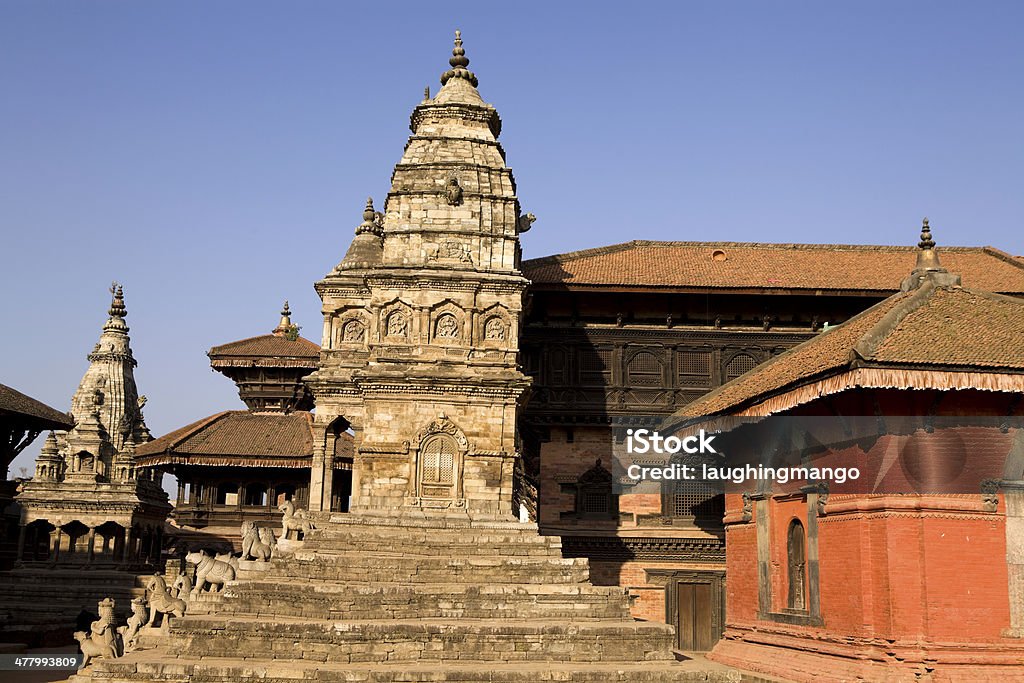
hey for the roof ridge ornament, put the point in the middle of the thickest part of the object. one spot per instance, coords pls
(926, 236)
(372, 220)
(928, 267)
(285, 325)
(459, 61)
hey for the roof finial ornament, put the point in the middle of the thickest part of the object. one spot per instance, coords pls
(372, 220)
(117, 309)
(426, 94)
(459, 61)
(286, 321)
(926, 236)
(928, 267)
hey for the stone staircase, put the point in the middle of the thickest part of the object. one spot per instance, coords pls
(425, 599)
(39, 606)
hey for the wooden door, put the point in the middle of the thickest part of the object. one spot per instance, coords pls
(695, 630)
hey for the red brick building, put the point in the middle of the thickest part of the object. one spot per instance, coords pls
(916, 573)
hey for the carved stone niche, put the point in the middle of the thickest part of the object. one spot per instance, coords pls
(494, 327)
(447, 324)
(349, 328)
(396, 323)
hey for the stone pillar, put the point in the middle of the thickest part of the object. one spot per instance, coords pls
(126, 547)
(1014, 495)
(56, 537)
(91, 536)
(320, 473)
(181, 493)
(20, 555)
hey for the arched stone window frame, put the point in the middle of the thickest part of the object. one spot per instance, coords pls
(441, 430)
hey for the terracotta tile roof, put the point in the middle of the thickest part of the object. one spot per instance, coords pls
(239, 437)
(702, 265)
(19, 406)
(269, 345)
(943, 328)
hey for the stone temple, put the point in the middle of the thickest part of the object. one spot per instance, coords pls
(433, 484)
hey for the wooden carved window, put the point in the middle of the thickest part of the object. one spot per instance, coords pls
(558, 366)
(695, 501)
(796, 562)
(595, 366)
(594, 496)
(694, 369)
(437, 465)
(644, 370)
(739, 365)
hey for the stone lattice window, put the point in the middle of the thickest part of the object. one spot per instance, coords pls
(437, 465)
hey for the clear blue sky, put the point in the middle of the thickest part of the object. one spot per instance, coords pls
(215, 156)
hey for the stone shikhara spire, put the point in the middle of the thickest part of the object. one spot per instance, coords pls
(452, 200)
(107, 407)
(421, 321)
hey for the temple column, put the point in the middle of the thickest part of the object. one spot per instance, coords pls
(91, 538)
(20, 554)
(320, 473)
(126, 546)
(181, 493)
(55, 542)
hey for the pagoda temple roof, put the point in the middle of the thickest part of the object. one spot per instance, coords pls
(283, 347)
(18, 406)
(937, 335)
(266, 349)
(731, 266)
(239, 438)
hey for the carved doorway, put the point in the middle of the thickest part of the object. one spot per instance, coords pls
(695, 606)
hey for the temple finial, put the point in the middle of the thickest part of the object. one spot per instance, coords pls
(426, 94)
(117, 309)
(459, 61)
(928, 267)
(371, 220)
(286, 320)
(926, 236)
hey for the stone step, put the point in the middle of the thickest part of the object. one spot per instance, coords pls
(431, 541)
(140, 667)
(420, 640)
(405, 601)
(353, 566)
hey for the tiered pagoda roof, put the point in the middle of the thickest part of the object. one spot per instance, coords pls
(934, 334)
(700, 266)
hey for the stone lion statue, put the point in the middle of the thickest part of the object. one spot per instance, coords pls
(257, 544)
